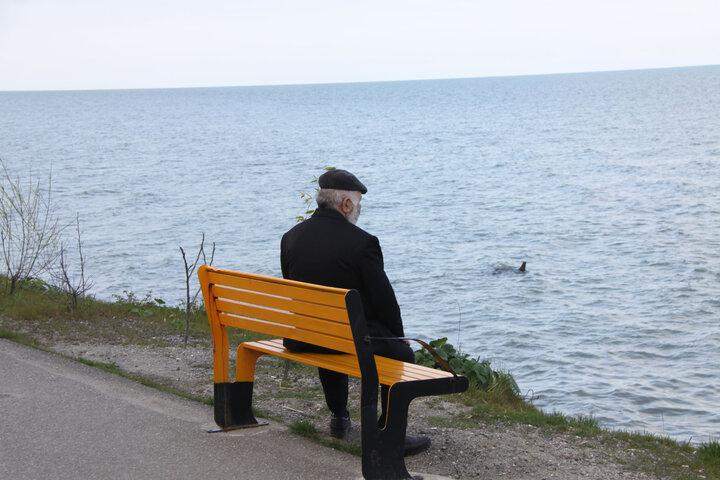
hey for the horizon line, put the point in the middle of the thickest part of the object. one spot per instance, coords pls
(353, 82)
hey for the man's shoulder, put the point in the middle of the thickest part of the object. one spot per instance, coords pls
(360, 240)
(342, 231)
(360, 233)
(297, 227)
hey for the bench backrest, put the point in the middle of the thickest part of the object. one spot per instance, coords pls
(275, 306)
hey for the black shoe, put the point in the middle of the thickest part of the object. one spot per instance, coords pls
(340, 427)
(415, 445)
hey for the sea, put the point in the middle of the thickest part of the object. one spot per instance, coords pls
(606, 184)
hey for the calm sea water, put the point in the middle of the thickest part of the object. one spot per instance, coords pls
(607, 184)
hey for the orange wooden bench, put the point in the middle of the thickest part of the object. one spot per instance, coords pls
(325, 316)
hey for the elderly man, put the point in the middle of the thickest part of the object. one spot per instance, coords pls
(329, 249)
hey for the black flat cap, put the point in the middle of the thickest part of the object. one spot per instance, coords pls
(341, 180)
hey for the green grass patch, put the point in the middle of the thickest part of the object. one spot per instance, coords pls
(7, 334)
(582, 426)
(41, 311)
(708, 456)
(529, 415)
(308, 430)
(665, 457)
(17, 337)
(304, 428)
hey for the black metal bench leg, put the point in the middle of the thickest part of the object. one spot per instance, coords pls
(233, 405)
(384, 450)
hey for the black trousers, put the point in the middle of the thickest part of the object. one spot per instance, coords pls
(335, 385)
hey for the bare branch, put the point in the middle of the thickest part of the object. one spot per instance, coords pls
(76, 286)
(191, 301)
(205, 262)
(29, 228)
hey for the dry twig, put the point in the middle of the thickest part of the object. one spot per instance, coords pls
(191, 302)
(29, 228)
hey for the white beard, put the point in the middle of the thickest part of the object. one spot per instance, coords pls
(354, 215)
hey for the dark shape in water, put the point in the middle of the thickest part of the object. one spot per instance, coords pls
(504, 268)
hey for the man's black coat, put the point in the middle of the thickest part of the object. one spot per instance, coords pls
(328, 250)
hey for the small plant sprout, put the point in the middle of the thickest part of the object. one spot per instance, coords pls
(308, 198)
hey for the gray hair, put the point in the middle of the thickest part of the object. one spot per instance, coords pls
(331, 198)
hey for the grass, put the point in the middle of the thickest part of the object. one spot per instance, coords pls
(36, 315)
(40, 311)
(304, 429)
(308, 430)
(504, 406)
(708, 455)
(17, 338)
(312, 394)
(665, 457)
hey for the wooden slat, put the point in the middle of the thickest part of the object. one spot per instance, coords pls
(397, 369)
(284, 281)
(423, 371)
(387, 375)
(334, 297)
(411, 369)
(324, 360)
(389, 371)
(343, 363)
(300, 322)
(335, 314)
(323, 340)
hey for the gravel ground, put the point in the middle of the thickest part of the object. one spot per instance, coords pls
(293, 393)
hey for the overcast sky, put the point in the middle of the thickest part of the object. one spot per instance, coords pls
(83, 44)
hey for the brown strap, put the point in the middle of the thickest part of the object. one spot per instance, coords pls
(423, 344)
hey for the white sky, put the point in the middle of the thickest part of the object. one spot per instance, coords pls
(82, 44)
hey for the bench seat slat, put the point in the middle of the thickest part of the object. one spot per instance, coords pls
(417, 371)
(389, 371)
(327, 341)
(306, 292)
(296, 306)
(391, 374)
(300, 322)
(343, 363)
(423, 371)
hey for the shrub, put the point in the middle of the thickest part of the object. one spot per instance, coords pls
(479, 373)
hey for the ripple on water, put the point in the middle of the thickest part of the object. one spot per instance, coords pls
(585, 354)
(672, 411)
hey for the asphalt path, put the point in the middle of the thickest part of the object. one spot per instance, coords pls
(60, 419)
